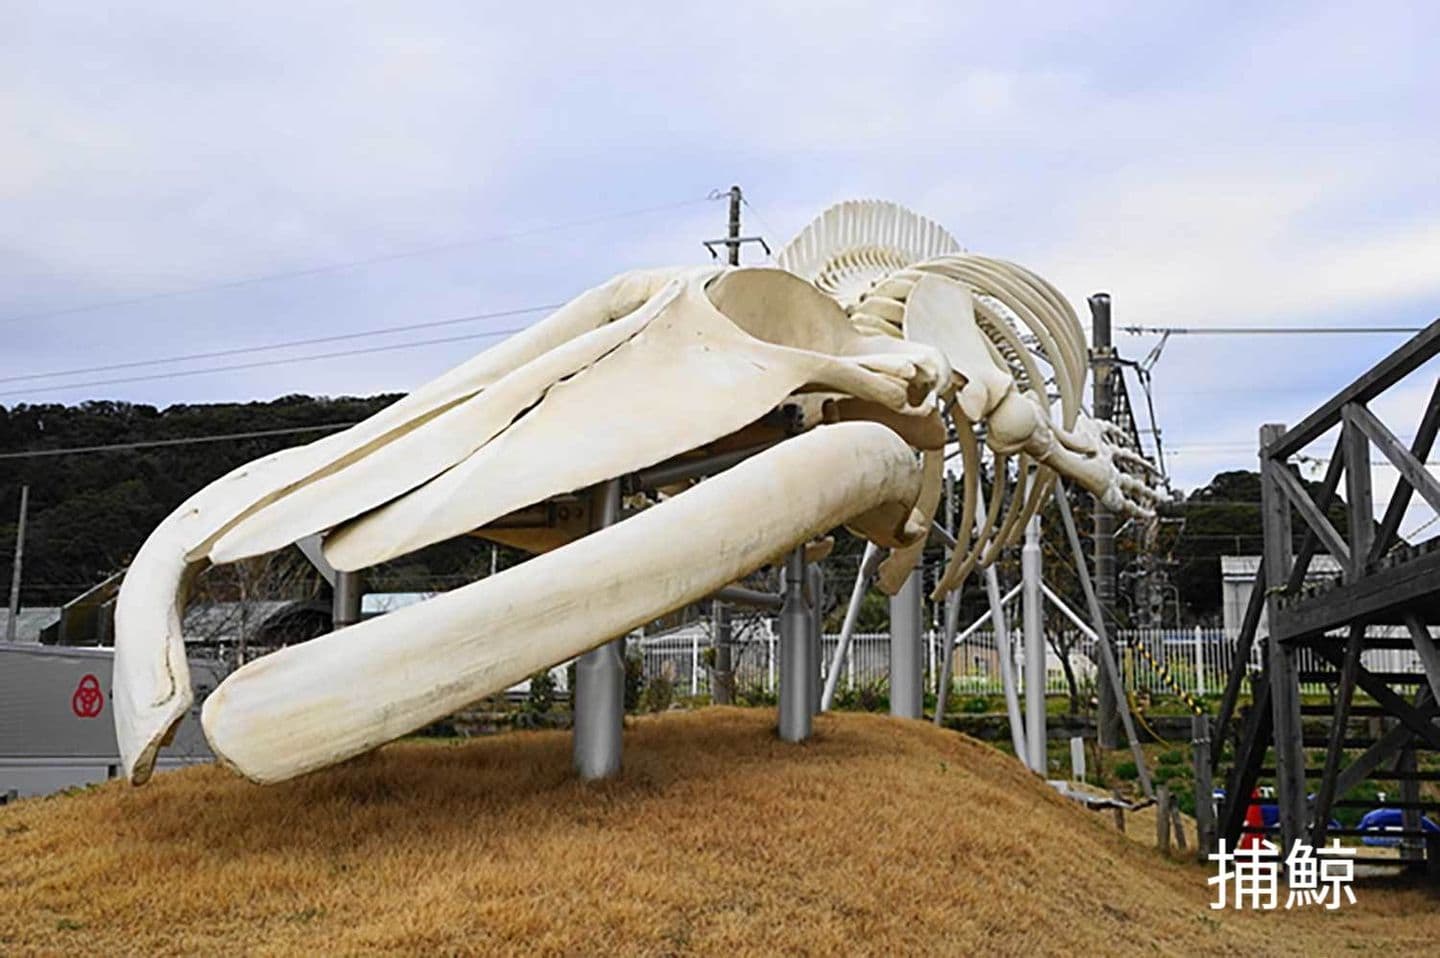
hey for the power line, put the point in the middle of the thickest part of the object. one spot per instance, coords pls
(350, 264)
(283, 345)
(265, 362)
(188, 440)
(1265, 330)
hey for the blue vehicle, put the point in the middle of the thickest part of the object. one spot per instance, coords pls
(1381, 820)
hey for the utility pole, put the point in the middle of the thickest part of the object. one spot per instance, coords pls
(12, 624)
(1102, 364)
(722, 679)
(733, 238)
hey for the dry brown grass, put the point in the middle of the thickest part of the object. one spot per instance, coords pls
(879, 836)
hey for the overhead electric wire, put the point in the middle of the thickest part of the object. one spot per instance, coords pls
(264, 362)
(351, 264)
(182, 441)
(1265, 330)
(338, 337)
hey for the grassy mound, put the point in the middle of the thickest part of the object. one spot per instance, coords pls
(879, 836)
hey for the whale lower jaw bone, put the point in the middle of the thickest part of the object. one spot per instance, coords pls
(312, 705)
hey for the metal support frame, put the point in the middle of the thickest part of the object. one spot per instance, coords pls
(1033, 613)
(796, 670)
(815, 597)
(600, 679)
(1019, 739)
(752, 598)
(869, 562)
(950, 615)
(907, 662)
(346, 596)
(1108, 672)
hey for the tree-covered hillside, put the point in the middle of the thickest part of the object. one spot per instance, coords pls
(90, 512)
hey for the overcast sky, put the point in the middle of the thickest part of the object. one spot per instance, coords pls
(1207, 163)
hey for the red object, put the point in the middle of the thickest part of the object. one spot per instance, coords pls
(1254, 818)
(88, 701)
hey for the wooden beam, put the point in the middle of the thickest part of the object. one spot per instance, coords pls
(1384, 747)
(1204, 786)
(1384, 374)
(1323, 498)
(1281, 658)
(1314, 518)
(1239, 665)
(1411, 469)
(1361, 505)
(1249, 757)
(1400, 500)
(1334, 751)
(1425, 648)
(1412, 717)
(1377, 594)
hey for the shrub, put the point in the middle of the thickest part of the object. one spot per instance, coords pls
(634, 680)
(1127, 771)
(542, 693)
(660, 691)
(1172, 757)
(975, 705)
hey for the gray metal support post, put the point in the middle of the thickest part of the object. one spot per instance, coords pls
(1102, 369)
(1033, 610)
(600, 679)
(1005, 653)
(796, 670)
(815, 593)
(13, 622)
(951, 614)
(1282, 669)
(349, 589)
(907, 685)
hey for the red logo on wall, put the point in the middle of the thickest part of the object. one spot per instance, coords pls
(88, 701)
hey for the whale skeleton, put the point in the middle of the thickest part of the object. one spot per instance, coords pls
(875, 337)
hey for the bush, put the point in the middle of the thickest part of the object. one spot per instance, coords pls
(756, 696)
(976, 705)
(542, 693)
(1127, 771)
(1172, 757)
(634, 680)
(660, 692)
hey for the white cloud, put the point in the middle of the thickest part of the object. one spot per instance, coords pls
(1270, 167)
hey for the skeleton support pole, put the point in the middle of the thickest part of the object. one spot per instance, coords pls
(600, 680)
(1033, 610)
(348, 592)
(906, 662)
(797, 671)
(868, 564)
(815, 592)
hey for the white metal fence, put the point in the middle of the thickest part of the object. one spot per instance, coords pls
(1197, 660)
